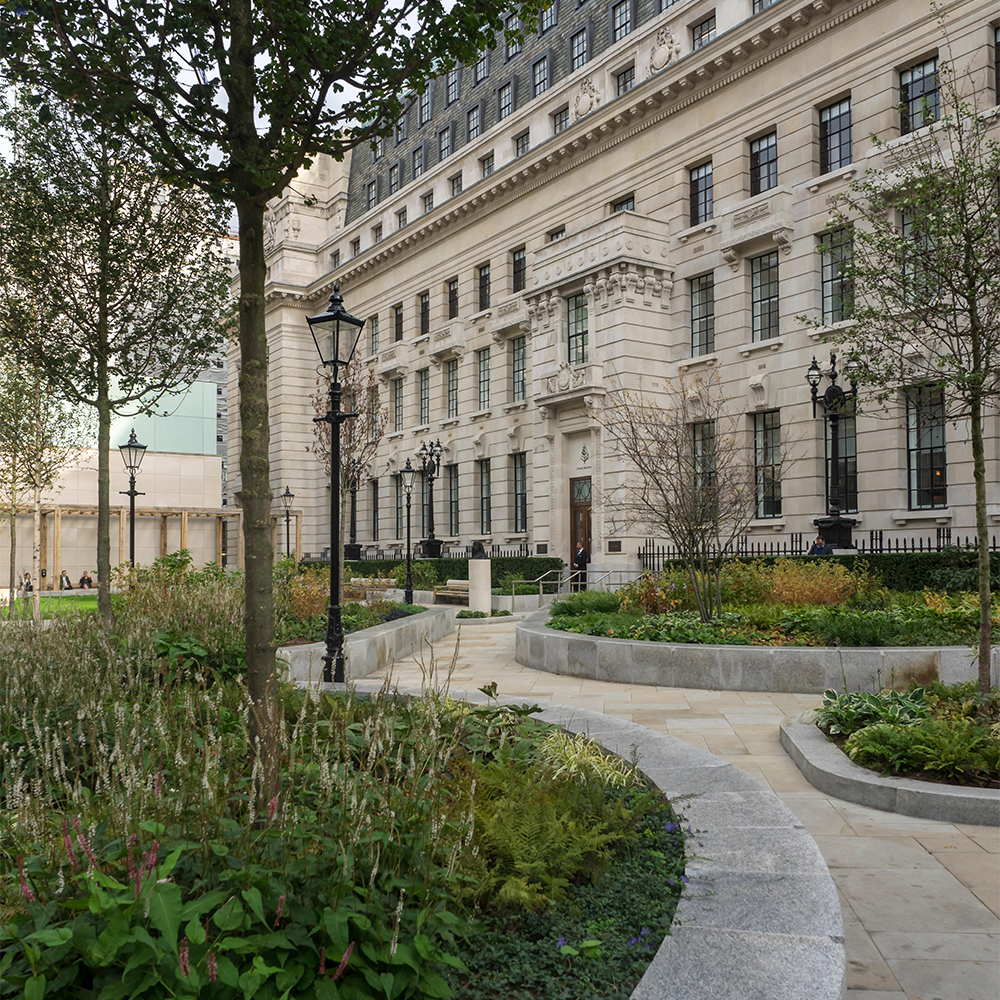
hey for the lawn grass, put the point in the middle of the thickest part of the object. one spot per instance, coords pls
(52, 606)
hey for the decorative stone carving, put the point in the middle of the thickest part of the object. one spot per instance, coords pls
(478, 447)
(587, 99)
(514, 438)
(758, 390)
(666, 49)
(270, 229)
(783, 237)
(732, 257)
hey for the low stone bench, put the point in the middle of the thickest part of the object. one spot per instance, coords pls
(454, 591)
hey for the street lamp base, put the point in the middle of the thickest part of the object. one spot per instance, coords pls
(432, 548)
(836, 531)
(352, 552)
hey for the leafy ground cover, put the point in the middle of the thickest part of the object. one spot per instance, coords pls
(786, 604)
(940, 732)
(149, 852)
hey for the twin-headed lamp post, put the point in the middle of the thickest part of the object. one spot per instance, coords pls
(336, 334)
(430, 461)
(834, 528)
(132, 453)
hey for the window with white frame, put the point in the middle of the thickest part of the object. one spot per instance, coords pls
(540, 76)
(444, 143)
(578, 49)
(472, 123)
(522, 143)
(560, 120)
(373, 333)
(394, 178)
(547, 19)
(764, 163)
(486, 163)
(481, 70)
(456, 185)
(701, 193)
(505, 100)
(512, 25)
(451, 86)
(428, 201)
(424, 107)
(621, 19)
(418, 162)
(401, 218)
(371, 194)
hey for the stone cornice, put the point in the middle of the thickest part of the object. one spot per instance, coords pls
(678, 86)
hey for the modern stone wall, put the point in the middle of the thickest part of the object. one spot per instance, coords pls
(738, 668)
(372, 648)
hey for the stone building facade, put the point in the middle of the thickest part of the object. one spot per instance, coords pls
(634, 194)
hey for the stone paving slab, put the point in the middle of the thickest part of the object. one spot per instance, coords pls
(872, 951)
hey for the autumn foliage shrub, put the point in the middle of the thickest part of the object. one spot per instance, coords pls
(794, 582)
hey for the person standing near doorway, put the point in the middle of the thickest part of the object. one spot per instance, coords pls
(580, 560)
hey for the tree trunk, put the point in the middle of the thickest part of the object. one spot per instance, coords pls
(255, 470)
(13, 552)
(36, 554)
(982, 538)
(104, 502)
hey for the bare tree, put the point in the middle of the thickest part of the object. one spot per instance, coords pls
(918, 250)
(360, 436)
(690, 475)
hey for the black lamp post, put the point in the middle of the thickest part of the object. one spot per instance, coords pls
(409, 474)
(336, 334)
(132, 453)
(430, 458)
(286, 501)
(352, 550)
(834, 528)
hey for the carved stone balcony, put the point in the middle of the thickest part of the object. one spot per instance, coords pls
(447, 341)
(765, 218)
(571, 384)
(509, 318)
(393, 362)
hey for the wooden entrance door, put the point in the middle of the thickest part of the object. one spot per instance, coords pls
(579, 513)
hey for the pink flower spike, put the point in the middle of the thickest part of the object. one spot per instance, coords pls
(84, 845)
(343, 962)
(25, 888)
(68, 841)
(185, 967)
(272, 808)
(281, 904)
(153, 854)
(213, 968)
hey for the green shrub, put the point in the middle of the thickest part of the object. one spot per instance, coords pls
(847, 713)
(958, 750)
(423, 573)
(585, 602)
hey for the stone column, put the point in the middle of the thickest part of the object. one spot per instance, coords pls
(480, 574)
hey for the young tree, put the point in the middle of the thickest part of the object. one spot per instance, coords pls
(923, 263)
(40, 435)
(690, 475)
(114, 283)
(360, 436)
(236, 98)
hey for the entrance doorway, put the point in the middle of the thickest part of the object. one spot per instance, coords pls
(579, 513)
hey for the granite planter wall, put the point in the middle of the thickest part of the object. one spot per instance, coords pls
(372, 648)
(738, 668)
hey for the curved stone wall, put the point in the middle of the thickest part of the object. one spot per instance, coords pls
(737, 668)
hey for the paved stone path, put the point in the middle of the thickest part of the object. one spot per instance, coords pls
(921, 898)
